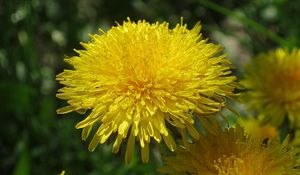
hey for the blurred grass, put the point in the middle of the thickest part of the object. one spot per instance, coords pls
(247, 22)
(35, 36)
(23, 165)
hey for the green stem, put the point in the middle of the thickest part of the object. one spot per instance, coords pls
(247, 21)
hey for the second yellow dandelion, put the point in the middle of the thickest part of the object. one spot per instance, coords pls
(273, 83)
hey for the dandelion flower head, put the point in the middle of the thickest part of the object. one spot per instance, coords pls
(273, 83)
(233, 152)
(138, 79)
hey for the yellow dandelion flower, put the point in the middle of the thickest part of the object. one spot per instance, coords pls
(137, 77)
(257, 129)
(273, 83)
(232, 152)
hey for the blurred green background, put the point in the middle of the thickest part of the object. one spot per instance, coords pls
(35, 35)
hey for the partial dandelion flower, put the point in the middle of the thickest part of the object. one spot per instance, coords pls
(233, 152)
(62, 172)
(273, 83)
(257, 128)
(137, 77)
(295, 140)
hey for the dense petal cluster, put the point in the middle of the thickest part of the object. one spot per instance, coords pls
(232, 152)
(273, 83)
(137, 77)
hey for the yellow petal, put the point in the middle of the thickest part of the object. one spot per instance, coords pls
(130, 148)
(85, 132)
(145, 153)
(194, 133)
(123, 128)
(86, 122)
(117, 143)
(65, 110)
(94, 143)
(169, 142)
(184, 138)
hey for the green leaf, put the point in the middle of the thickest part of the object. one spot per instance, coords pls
(23, 164)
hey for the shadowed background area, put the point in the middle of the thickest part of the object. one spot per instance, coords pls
(35, 35)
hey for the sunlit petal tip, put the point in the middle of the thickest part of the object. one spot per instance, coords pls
(65, 110)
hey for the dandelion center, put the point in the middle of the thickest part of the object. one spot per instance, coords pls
(229, 165)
